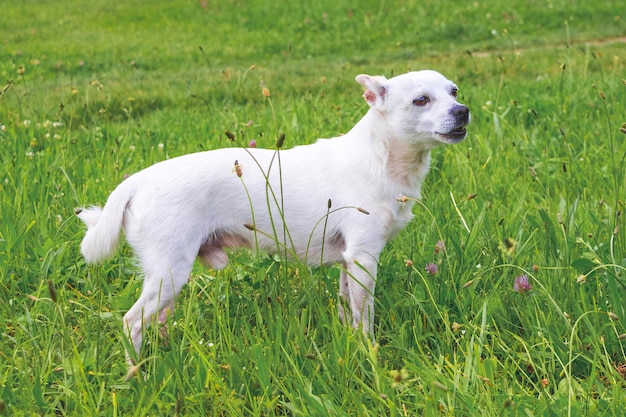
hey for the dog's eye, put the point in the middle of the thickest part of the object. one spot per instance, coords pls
(455, 92)
(421, 101)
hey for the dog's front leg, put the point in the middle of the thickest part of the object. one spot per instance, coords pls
(357, 285)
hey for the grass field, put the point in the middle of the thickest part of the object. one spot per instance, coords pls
(96, 90)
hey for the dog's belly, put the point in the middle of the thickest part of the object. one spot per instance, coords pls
(212, 251)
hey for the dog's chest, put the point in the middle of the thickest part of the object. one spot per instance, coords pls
(402, 215)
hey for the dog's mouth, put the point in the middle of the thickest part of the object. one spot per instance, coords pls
(454, 136)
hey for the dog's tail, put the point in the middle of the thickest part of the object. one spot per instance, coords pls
(104, 225)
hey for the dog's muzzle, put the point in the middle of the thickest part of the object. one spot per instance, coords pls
(461, 115)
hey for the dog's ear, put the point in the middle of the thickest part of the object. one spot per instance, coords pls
(376, 88)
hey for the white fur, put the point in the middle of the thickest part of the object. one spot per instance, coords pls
(196, 205)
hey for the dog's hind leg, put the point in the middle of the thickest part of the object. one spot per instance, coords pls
(165, 312)
(344, 296)
(160, 288)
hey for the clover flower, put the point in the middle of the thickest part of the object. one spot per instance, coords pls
(521, 284)
(431, 269)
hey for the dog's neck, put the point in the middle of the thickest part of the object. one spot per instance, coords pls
(404, 162)
(408, 163)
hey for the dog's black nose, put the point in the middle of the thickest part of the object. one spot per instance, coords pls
(460, 112)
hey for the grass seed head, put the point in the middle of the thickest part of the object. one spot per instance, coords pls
(440, 386)
(238, 169)
(52, 291)
(402, 199)
(280, 141)
(132, 372)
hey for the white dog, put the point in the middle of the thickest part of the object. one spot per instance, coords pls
(332, 201)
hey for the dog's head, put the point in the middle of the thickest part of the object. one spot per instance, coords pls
(418, 106)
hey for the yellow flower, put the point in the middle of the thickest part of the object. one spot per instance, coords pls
(508, 246)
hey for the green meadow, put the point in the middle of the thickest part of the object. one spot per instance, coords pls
(522, 309)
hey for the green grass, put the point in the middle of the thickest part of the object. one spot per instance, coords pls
(93, 91)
